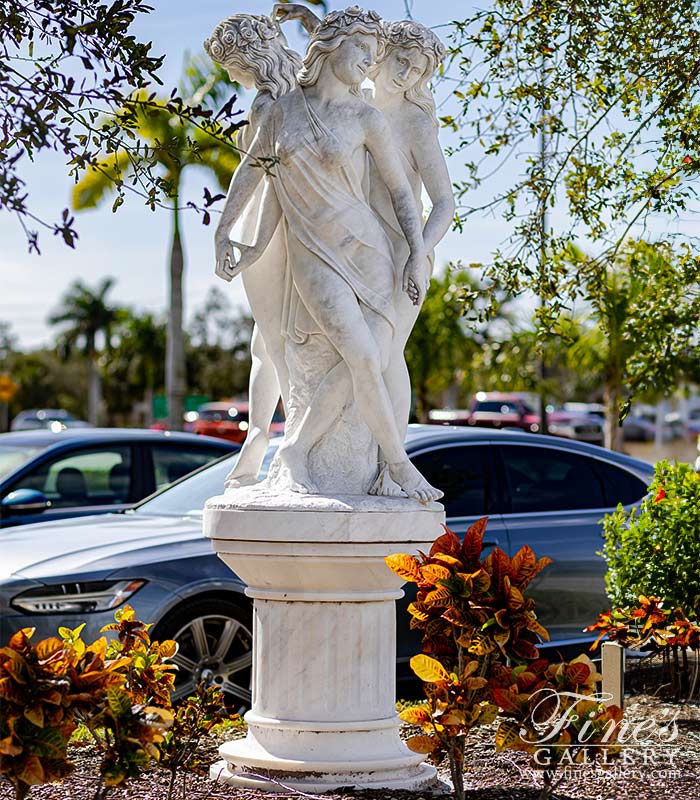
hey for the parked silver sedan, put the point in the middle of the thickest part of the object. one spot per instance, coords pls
(537, 490)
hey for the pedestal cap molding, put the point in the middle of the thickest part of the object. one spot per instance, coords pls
(244, 514)
(260, 721)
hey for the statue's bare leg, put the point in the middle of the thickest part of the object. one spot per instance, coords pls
(334, 392)
(264, 395)
(264, 287)
(398, 384)
(334, 306)
(329, 400)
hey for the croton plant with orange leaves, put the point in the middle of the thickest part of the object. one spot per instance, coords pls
(647, 623)
(670, 634)
(119, 689)
(553, 712)
(480, 632)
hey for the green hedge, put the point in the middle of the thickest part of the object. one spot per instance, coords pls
(654, 549)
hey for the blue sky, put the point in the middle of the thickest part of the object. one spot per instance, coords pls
(132, 245)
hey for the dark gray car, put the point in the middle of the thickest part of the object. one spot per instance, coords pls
(46, 475)
(546, 492)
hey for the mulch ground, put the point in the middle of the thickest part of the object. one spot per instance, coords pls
(488, 775)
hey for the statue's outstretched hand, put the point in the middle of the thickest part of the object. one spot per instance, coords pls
(227, 265)
(415, 279)
(286, 11)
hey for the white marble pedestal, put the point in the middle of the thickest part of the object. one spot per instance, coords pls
(324, 647)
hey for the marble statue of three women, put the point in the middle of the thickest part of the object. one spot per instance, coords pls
(324, 220)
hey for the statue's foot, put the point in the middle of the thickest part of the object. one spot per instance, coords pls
(236, 481)
(413, 483)
(385, 485)
(300, 480)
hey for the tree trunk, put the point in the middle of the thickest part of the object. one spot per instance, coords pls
(449, 396)
(149, 408)
(542, 391)
(613, 431)
(659, 423)
(150, 374)
(423, 402)
(175, 379)
(94, 387)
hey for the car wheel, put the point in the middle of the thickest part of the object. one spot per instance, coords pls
(215, 646)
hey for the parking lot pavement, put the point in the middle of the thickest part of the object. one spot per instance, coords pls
(678, 450)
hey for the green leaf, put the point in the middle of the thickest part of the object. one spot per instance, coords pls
(119, 701)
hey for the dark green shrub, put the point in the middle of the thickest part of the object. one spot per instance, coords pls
(654, 549)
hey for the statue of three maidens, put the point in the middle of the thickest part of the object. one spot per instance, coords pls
(324, 220)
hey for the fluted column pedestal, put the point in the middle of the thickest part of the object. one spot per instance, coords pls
(324, 646)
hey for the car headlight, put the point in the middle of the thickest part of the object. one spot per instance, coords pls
(76, 598)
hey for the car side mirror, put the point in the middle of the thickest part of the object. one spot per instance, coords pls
(24, 501)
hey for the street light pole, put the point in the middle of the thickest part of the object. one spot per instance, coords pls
(5, 396)
(544, 427)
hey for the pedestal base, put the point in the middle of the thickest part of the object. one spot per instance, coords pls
(416, 779)
(322, 756)
(324, 645)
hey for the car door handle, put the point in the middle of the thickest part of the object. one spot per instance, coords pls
(490, 543)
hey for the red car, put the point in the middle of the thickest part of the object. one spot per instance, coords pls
(229, 420)
(497, 410)
(501, 410)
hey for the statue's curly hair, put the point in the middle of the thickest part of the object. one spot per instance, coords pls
(256, 43)
(330, 34)
(407, 33)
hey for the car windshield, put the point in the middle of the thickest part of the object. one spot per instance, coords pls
(13, 456)
(187, 497)
(223, 415)
(499, 406)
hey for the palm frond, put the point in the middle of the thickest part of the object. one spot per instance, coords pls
(205, 83)
(223, 164)
(100, 181)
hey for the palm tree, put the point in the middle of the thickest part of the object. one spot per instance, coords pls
(176, 145)
(88, 315)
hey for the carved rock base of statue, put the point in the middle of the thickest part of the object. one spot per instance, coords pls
(324, 648)
(345, 457)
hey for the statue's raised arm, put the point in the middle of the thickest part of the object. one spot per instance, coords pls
(288, 11)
